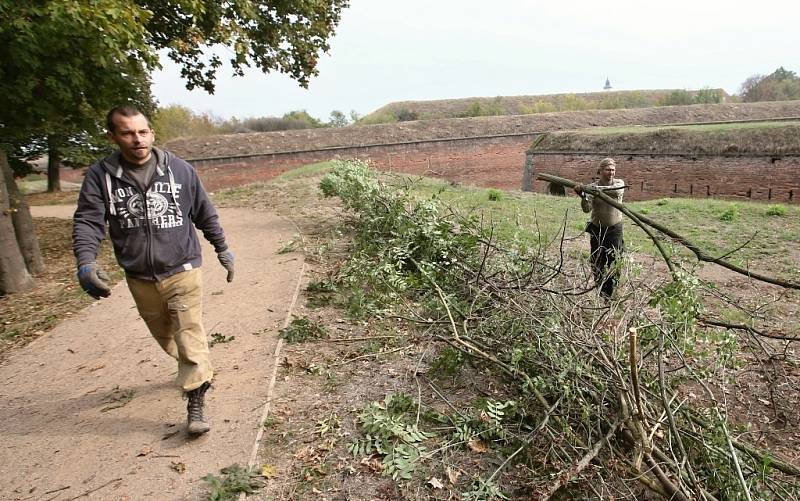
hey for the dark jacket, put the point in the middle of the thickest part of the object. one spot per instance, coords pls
(153, 247)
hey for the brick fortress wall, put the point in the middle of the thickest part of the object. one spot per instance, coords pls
(486, 161)
(501, 162)
(648, 176)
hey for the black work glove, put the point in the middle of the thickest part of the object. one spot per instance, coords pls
(226, 260)
(94, 280)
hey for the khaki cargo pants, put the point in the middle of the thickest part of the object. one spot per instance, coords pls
(173, 311)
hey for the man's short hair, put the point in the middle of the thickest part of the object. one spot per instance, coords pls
(126, 110)
(606, 162)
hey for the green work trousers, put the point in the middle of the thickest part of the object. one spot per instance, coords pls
(173, 311)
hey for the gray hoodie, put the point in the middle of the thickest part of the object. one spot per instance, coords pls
(151, 234)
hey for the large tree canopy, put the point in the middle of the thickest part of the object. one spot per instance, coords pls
(274, 35)
(66, 59)
(64, 63)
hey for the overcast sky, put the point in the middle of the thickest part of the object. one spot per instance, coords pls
(388, 51)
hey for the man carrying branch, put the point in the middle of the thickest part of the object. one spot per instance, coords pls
(605, 226)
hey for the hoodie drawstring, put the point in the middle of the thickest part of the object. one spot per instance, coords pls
(111, 205)
(173, 191)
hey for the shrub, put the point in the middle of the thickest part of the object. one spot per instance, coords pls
(730, 214)
(406, 115)
(303, 329)
(776, 210)
(494, 195)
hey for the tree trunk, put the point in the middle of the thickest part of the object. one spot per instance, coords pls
(23, 222)
(14, 276)
(53, 164)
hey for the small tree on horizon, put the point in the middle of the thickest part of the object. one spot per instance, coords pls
(780, 85)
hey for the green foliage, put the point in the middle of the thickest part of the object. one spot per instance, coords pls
(330, 424)
(707, 96)
(448, 363)
(781, 85)
(494, 195)
(234, 480)
(218, 338)
(405, 115)
(387, 431)
(66, 63)
(286, 37)
(681, 97)
(303, 117)
(488, 424)
(55, 87)
(175, 121)
(293, 244)
(776, 210)
(303, 329)
(477, 109)
(483, 490)
(384, 117)
(538, 341)
(677, 97)
(398, 239)
(679, 299)
(537, 107)
(729, 214)
(338, 119)
(320, 286)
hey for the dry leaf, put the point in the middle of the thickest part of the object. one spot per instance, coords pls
(268, 470)
(373, 463)
(435, 483)
(478, 446)
(452, 475)
(178, 467)
(144, 452)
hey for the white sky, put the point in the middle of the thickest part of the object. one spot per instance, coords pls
(388, 51)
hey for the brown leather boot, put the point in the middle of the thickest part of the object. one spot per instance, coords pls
(197, 423)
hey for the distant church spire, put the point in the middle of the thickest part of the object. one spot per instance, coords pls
(607, 86)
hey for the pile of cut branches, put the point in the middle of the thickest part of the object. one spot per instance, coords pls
(635, 388)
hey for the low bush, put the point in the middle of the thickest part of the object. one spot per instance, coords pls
(776, 210)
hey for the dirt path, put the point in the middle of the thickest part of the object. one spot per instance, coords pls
(91, 405)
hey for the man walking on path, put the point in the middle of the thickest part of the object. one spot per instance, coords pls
(605, 226)
(150, 200)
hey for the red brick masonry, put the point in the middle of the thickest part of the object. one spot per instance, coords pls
(500, 162)
(654, 176)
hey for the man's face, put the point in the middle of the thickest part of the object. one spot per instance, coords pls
(134, 137)
(607, 174)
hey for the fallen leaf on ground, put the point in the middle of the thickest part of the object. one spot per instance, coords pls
(373, 463)
(178, 467)
(435, 483)
(268, 470)
(478, 446)
(144, 452)
(452, 475)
